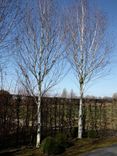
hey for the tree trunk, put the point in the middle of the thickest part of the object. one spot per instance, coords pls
(80, 112)
(38, 139)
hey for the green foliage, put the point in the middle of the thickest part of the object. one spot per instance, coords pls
(51, 146)
(55, 145)
(48, 145)
(62, 140)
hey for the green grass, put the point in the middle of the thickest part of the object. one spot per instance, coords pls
(80, 146)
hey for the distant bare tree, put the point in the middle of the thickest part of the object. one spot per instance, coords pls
(64, 93)
(40, 56)
(1, 77)
(114, 96)
(90, 97)
(84, 29)
(21, 90)
(72, 94)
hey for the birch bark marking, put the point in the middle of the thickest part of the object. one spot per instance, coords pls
(81, 81)
(38, 120)
(80, 112)
(38, 141)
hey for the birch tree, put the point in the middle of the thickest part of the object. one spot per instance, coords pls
(39, 53)
(84, 30)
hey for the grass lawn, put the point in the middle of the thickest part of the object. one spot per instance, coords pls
(80, 146)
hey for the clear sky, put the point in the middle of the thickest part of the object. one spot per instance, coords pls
(107, 85)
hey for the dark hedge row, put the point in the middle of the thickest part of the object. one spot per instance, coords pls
(18, 118)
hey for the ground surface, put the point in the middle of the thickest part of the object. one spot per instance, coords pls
(85, 146)
(110, 151)
(99, 147)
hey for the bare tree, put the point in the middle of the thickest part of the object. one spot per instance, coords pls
(72, 94)
(40, 53)
(8, 15)
(90, 97)
(85, 30)
(64, 93)
(114, 96)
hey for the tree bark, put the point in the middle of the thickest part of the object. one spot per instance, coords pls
(38, 139)
(80, 112)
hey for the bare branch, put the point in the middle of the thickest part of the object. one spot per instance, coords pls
(87, 51)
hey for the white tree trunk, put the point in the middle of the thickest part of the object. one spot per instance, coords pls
(80, 113)
(38, 139)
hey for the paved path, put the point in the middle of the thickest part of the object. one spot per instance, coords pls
(108, 151)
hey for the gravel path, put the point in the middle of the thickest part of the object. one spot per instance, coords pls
(108, 151)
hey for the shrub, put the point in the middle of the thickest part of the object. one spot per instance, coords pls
(62, 140)
(48, 145)
(92, 134)
(4, 97)
(51, 146)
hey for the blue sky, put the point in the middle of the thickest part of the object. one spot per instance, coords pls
(106, 85)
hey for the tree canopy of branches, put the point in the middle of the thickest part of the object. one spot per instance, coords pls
(84, 30)
(8, 16)
(39, 52)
